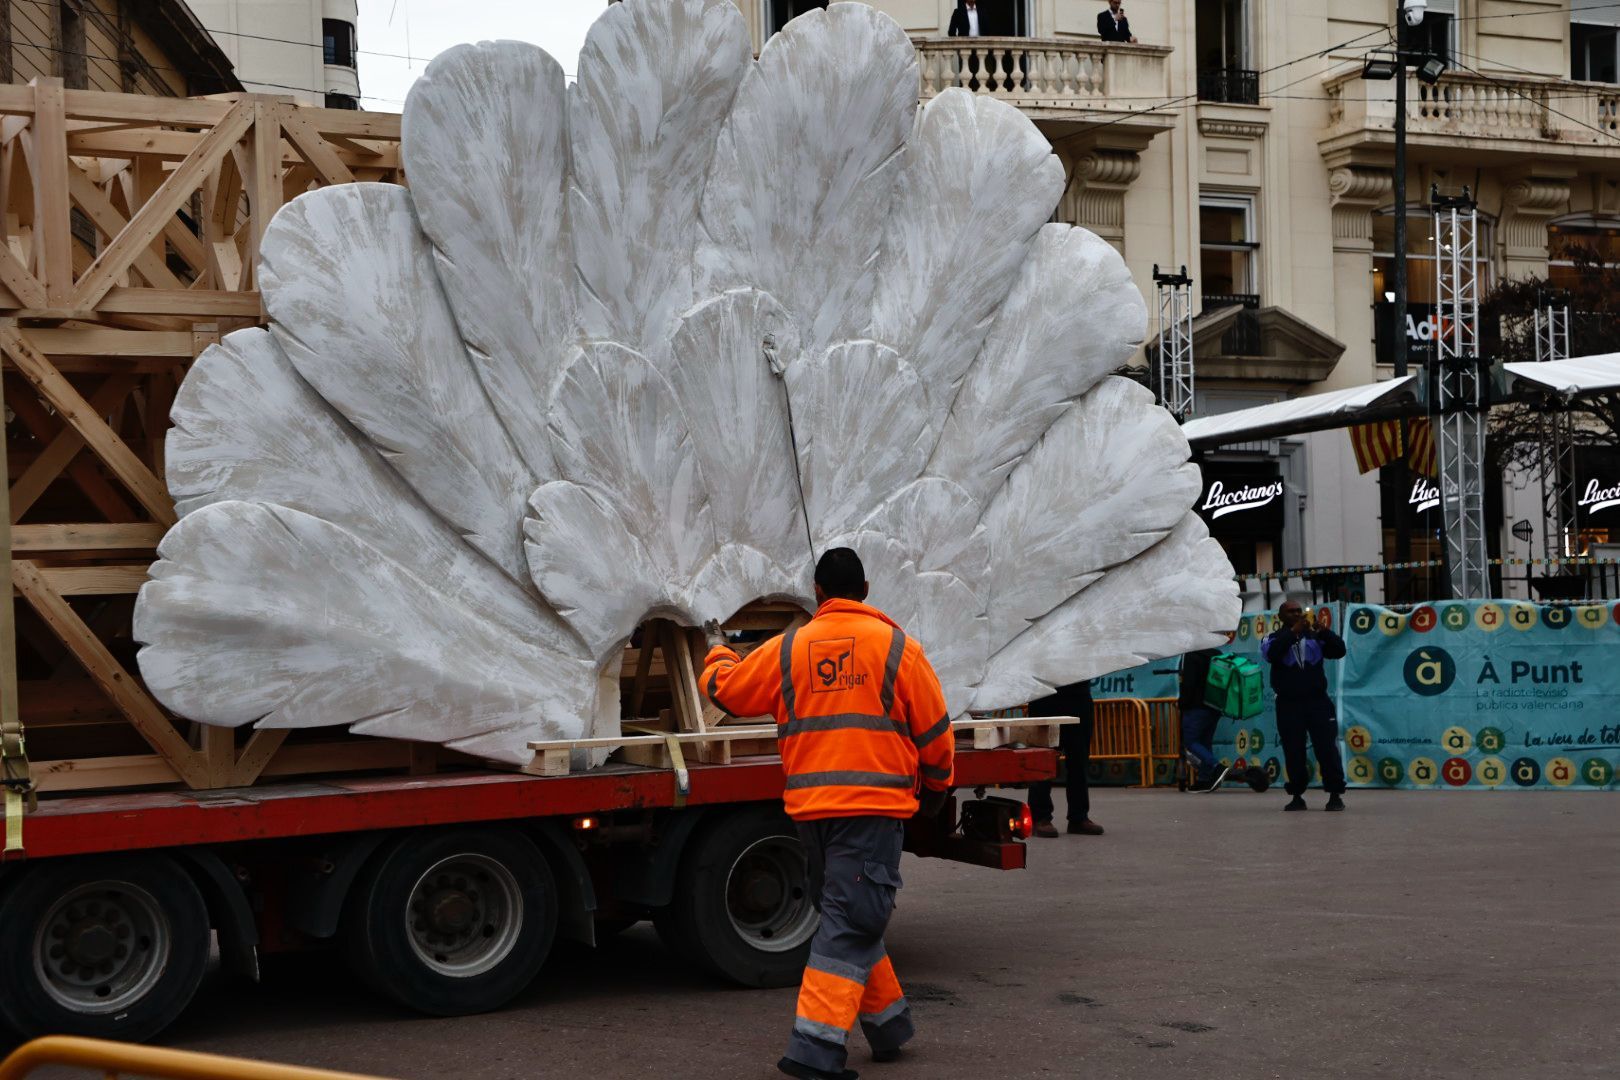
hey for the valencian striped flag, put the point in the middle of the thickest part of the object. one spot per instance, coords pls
(1376, 445)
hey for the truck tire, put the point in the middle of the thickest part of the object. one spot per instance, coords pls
(452, 922)
(111, 947)
(742, 906)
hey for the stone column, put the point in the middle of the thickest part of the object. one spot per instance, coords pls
(1529, 201)
(1095, 196)
(1355, 192)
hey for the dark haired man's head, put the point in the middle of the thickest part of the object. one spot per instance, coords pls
(840, 576)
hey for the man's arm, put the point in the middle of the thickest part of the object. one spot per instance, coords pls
(1332, 644)
(1105, 25)
(1277, 645)
(921, 701)
(957, 29)
(744, 687)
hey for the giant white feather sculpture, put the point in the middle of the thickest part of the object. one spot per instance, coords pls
(645, 345)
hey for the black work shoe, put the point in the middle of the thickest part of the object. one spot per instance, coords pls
(1334, 803)
(1296, 803)
(883, 1057)
(805, 1072)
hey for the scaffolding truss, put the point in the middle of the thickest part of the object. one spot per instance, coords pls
(1173, 380)
(1460, 393)
(1557, 450)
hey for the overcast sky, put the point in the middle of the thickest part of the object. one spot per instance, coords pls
(414, 31)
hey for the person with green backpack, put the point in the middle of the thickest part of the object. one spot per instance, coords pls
(1199, 720)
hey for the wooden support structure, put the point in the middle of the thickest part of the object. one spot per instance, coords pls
(128, 231)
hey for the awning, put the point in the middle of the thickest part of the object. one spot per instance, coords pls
(1577, 375)
(1315, 412)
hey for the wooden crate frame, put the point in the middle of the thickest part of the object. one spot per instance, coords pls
(129, 234)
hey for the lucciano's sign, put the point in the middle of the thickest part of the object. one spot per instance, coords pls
(1241, 501)
(1597, 498)
(1219, 502)
(1425, 496)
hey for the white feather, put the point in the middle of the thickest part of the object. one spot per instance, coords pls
(656, 79)
(484, 140)
(349, 282)
(1177, 596)
(804, 171)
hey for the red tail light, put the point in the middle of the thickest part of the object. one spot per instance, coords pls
(1026, 823)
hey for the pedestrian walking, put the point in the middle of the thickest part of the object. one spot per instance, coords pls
(1297, 652)
(1075, 742)
(1199, 720)
(862, 726)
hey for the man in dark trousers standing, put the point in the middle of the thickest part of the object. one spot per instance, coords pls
(1198, 720)
(1075, 742)
(1296, 653)
(1112, 25)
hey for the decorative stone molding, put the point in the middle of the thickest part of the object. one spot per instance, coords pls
(1528, 203)
(1355, 191)
(1098, 180)
(1232, 129)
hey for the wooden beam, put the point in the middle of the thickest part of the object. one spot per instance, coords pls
(96, 580)
(263, 180)
(109, 341)
(85, 774)
(150, 220)
(99, 209)
(56, 457)
(218, 754)
(143, 713)
(46, 426)
(308, 142)
(260, 749)
(53, 237)
(41, 539)
(102, 439)
(197, 303)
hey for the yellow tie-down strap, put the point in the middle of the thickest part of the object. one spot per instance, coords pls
(677, 760)
(19, 788)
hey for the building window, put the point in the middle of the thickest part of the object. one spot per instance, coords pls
(337, 40)
(1225, 73)
(1579, 248)
(1422, 280)
(342, 101)
(1228, 251)
(71, 45)
(782, 12)
(1594, 41)
(1436, 35)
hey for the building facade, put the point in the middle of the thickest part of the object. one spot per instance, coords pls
(119, 46)
(305, 49)
(1240, 139)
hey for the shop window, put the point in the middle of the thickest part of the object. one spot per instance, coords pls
(1580, 247)
(1225, 73)
(337, 41)
(1594, 41)
(1228, 251)
(1421, 280)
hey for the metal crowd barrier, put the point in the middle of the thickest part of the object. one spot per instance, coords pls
(1143, 730)
(115, 1059)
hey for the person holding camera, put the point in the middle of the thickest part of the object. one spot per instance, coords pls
(1296, 653)
(1112, 25)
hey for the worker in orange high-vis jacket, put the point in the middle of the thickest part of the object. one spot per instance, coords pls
(862, 727)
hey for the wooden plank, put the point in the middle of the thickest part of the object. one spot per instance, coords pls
(151, 219)
(148, 263)
(263, 179)
(261, 746)
(166, 145)
(108, 341)
(199, 303)
(638, 687)
(23, 286)
(37, 539)
(102, 439)
(85, 774)
(53, 238)
(144, 714)
(218, 754)
(96, 580)
(55, 458)
(321, 157)
(136, 108)
(83, 470)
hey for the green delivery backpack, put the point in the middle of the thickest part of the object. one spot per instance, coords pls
(1236, 686)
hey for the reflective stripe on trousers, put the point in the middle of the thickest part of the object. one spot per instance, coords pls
(854, 866)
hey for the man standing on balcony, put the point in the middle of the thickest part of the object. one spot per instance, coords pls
(965, 19)
(1112, 25)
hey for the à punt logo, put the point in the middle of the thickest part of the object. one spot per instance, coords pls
(1247, 497)
(1596, 497)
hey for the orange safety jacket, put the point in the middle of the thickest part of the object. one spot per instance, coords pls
(859, 711)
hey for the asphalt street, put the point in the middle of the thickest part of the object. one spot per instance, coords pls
(1419, 934)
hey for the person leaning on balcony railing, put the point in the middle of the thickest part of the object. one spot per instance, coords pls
(965, 19)
(1112, 25)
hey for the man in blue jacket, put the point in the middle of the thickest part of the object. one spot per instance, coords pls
(1296, 653)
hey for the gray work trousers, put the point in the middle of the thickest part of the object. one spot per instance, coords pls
(854, 866)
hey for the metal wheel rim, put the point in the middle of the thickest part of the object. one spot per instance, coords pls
(464, 914)
(779, 924)
(102, 947)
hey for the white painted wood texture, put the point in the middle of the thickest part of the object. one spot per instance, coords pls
(504, 416)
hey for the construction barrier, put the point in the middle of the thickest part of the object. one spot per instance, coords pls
(115, 1059)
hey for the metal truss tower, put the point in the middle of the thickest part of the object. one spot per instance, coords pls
(1460, 393)
(1557, 451)
(1173, 381)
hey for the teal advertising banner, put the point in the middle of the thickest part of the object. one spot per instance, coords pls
(1481, 694)
(1151, 680)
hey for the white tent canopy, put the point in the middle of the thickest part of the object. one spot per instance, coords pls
(1316, 412)
(1577, 375)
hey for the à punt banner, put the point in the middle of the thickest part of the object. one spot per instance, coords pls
(1481, 694)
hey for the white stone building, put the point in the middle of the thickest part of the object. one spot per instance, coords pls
(302, 48)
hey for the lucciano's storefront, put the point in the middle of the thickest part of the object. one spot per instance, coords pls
(1245, 505)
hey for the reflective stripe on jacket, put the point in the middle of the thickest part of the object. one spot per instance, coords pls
(859, 711)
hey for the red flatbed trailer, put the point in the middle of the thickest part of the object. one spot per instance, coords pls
(445, 891)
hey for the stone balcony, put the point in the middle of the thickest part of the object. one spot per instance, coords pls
(1468, 117)
(1064, 84)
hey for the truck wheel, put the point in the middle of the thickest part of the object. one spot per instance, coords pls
(111, 947)
(742, 904)
(452, 922)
